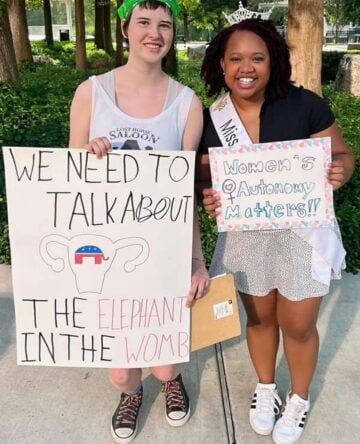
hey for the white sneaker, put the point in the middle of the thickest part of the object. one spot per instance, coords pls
(290, 425)
(264, 409)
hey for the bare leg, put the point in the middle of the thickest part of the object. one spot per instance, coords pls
(262, 334)
(297, 321)
(177, 410)
(166, 372)
(125, 379)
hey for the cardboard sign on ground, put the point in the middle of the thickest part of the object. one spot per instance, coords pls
(215, 317)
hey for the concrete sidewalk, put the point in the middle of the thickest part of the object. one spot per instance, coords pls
(67, 405)
(56, 405)
(335, 390)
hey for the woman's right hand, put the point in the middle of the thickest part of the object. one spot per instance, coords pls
(211, 201)
(99, 146)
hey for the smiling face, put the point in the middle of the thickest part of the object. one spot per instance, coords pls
(150, 33)
(246, 66)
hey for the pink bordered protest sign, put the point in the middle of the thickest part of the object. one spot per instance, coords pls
(273, 185)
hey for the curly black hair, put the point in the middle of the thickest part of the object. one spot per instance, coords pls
(212, 73)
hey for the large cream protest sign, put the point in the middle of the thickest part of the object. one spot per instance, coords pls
(273, 185)
(101, 255)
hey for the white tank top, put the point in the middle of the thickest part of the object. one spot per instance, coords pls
(161, 132)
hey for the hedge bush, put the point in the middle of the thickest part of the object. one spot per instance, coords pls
(37, 114)
(346, 109)
(347, 208)
(347, 199)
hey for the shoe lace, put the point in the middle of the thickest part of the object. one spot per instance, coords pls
(174, 395)
(292, 413)
(127, 410)
(266, 401)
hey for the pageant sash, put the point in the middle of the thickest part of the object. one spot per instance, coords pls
(227, 123)
(328, 253)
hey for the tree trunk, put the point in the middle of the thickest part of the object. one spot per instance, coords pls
(99, 25)
(48, 23)
(186, 26)
(337, 21)
(19, 30)
(80, 46)
(8, 67)
(108, 46)
(119, 56)
(169, 63)
(305, 37)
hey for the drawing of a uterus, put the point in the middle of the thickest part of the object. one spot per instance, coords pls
(90, 257)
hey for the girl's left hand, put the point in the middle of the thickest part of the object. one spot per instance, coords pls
(336, 175)
(199, 282)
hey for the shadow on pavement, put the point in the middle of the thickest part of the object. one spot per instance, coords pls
(7, 317)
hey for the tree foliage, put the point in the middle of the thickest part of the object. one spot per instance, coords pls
(334, 13)
(342, 12)
(351, 9)
(34, 4)
(207, 14)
